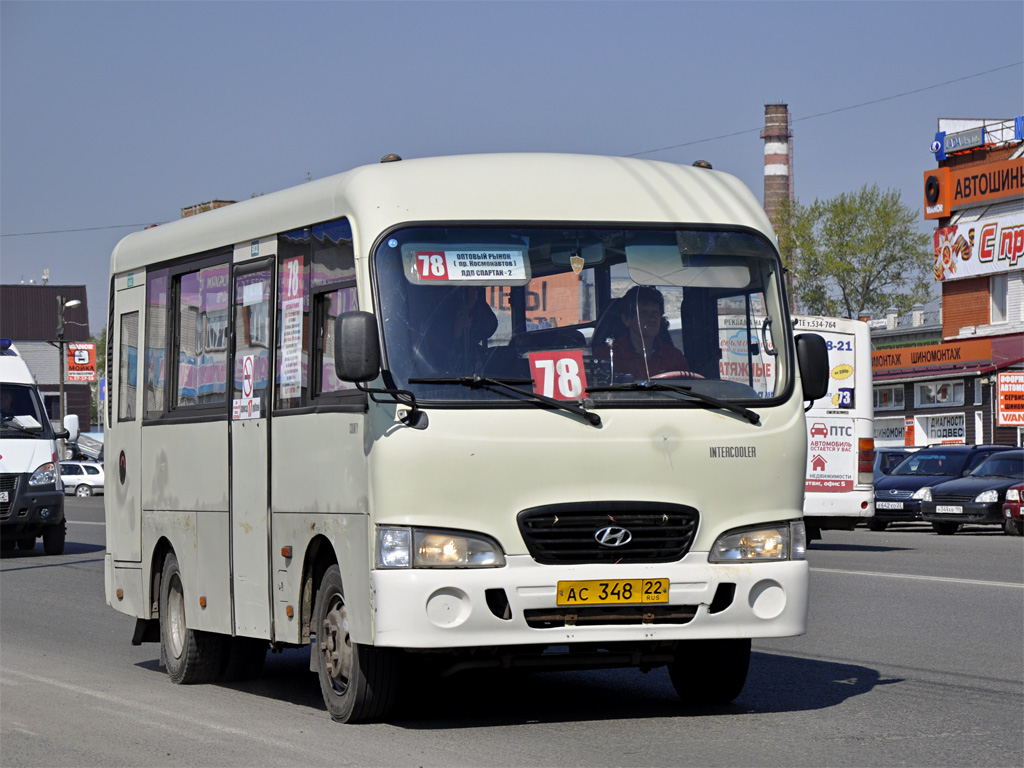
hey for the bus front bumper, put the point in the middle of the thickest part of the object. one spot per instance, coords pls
(517, 604)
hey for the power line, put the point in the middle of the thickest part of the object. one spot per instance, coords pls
(834, 111)
(79, 229)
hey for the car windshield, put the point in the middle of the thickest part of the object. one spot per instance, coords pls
(929, 463)
(21, 413)
(1009, 464)
(504, 314)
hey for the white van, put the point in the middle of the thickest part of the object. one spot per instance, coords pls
(31, 492)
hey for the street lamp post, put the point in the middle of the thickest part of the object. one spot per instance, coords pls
(61, 306)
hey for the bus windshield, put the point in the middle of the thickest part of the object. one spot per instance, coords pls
(611, 315)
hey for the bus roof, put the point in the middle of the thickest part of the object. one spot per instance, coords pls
(546, 187)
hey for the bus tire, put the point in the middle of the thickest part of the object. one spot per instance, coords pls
(945, 529)
(358, 682)
(244, 658)
(710, 672)
(877, 525)
(191, 656)
(53, 538)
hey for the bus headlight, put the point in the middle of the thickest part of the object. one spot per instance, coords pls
(44, 475)
(783, 541)
(432, 548)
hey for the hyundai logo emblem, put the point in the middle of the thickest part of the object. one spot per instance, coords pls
(613, 536)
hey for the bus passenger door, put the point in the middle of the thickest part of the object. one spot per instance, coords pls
(249, 510)
(123, 450)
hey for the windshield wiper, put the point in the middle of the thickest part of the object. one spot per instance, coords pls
(477, 382)
(680, 389)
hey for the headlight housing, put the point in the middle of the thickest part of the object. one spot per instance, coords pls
(779, 541)
(987, 497)
(923, 494)
(45, 475)
(1013, 495)
(401, 547)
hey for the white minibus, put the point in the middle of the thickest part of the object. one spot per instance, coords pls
(428, 414)
(31, 492)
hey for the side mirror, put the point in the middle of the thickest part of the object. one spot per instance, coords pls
(812, 356)
(356, 347)
(71, 427)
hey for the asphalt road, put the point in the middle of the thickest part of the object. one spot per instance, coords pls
(913, 658)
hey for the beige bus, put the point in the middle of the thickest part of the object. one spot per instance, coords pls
(427, 414)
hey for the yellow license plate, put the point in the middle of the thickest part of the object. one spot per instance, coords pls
(612, 592)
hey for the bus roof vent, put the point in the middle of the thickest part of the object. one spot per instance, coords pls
(390, 158)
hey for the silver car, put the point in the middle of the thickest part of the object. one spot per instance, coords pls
(82, 478)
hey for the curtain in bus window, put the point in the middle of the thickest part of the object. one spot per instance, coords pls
(202, 331)
(128, 368)
(156, 342)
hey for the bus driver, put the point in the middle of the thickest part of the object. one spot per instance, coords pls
(643, 347)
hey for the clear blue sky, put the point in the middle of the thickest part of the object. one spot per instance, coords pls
(123, 113)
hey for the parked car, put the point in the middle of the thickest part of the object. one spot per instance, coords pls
(887, 459)
(976, 498)
(1012, 522)
(896, 494)
(82, 478)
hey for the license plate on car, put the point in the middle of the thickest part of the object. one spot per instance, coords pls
(612, 592)
(949, 510)
(888, 505)
(4, 497)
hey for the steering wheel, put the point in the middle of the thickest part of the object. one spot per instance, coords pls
(677, 375)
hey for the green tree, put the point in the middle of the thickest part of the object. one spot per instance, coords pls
(858, 252)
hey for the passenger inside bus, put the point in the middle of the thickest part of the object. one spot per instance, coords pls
(640, 343)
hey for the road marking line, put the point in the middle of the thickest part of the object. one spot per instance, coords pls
(81, 522)
(922, 578)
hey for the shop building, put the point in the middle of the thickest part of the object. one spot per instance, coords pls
(956, 374)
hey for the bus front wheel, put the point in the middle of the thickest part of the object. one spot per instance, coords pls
(710, 672)
(357, 681)
(191, 656)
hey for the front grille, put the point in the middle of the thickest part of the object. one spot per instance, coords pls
(8, 483)
(565, 533)
(954, 498)
(893, 495)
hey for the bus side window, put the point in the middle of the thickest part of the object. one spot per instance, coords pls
(329, 306)
(128, 367)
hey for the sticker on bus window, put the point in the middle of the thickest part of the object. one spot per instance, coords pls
(469, 264)
(558, 374)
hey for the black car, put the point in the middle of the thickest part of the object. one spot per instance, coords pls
(976, 498)
(896, 498)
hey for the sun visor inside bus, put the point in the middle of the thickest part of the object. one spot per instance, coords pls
(465, 264)
(666, 265)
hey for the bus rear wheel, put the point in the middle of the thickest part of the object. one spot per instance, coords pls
(358, 682)
(710, 672)
(191, 656)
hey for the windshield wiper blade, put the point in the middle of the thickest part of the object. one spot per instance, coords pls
(681, 389)
(476, 382)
